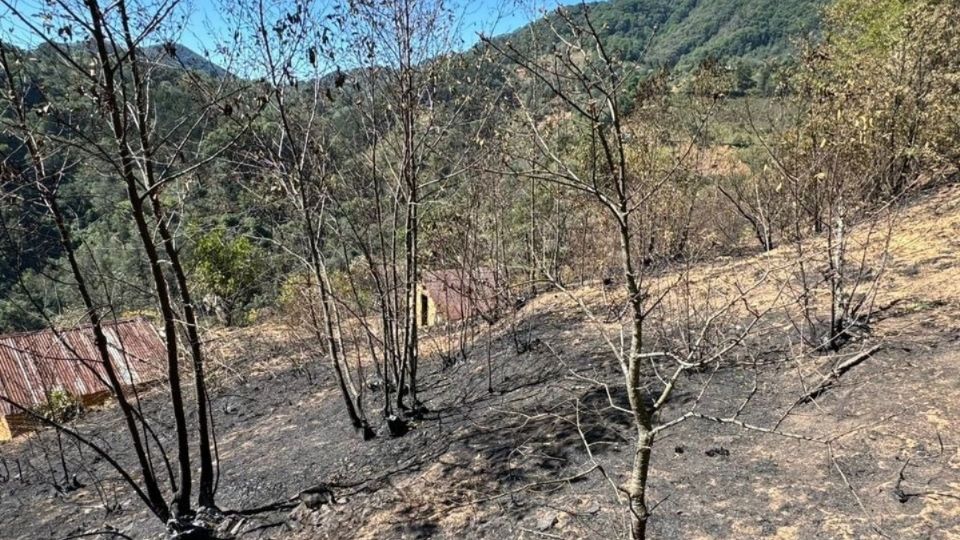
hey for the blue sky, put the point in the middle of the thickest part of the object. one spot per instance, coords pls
(205, 22)
(490, 17)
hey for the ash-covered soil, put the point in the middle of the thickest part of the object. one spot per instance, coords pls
(502, 450)
(512, 463)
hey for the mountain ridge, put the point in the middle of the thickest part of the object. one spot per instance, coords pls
(681, 35)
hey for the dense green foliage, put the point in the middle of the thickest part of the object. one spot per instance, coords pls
(227, 268)
(753, 37)
(35, 281)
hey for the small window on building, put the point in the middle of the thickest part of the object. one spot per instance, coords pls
(424, 310)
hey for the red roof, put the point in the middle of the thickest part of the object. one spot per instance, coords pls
(461, 294)
(35, 363)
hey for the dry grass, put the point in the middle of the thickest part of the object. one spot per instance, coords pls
(918, 274)
(894, 410)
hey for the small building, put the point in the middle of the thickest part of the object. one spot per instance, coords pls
(446, 296)
(34, 364)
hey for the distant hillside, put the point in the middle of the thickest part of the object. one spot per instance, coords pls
(677, 34)
(680, 34)
(178, 55)
(174, 55)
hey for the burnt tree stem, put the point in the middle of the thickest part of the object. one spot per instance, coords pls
(118, 123)
(206, 479)
(150, 494)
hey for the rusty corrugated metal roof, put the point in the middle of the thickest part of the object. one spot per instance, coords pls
(459, 293)
(35, 363)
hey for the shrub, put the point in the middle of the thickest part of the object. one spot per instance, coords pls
(61, 406)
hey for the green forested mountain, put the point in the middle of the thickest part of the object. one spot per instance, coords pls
(686, 32)
(180, 56)
(753, 36)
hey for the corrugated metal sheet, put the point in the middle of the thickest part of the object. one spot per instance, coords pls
(35, 363)
(461, 294)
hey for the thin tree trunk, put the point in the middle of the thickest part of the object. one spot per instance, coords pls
(331, 337)
(152, 496)
(181, 498)
(637, 486)
(155, 500)
(206, 480)
(206, 492)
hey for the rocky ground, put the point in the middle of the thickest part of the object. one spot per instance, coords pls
(502, 452)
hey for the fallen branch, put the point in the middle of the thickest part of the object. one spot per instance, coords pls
(539, 533)
(903, 496)
(267, 508)
(522, 488)
(325, 488)
(116, 534)
(836, 373)
(853, 491)
(264, 527)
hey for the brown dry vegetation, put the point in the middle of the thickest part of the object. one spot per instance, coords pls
(511, 464)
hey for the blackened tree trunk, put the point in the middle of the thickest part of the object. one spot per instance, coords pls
(206, 480)
(151, 493)
(118, 117)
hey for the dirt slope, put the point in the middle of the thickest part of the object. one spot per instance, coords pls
(511, 463)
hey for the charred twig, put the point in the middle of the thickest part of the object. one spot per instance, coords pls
(853, 491)
(267, 508)
(586, 446)
(265, 526)
(540, 533)
(903, 497)
(526, 487)
(897, 490)
(116, 534)
(831, 378)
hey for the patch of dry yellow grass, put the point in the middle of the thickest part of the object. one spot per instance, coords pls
(919, 274)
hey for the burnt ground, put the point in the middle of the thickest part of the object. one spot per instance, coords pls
(512, 463)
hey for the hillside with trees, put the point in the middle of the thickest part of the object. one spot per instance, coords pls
(640, 268)
(753, 38)
(750, 41)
